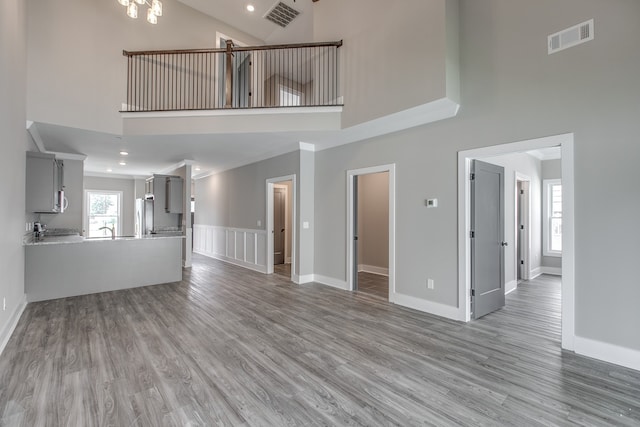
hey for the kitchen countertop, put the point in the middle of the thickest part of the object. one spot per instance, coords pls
(64, 240)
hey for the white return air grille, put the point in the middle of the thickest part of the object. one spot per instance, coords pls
(570, 37)
(281, 14)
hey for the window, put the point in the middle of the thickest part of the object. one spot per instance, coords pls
(552, 217)
(289, 97)
(103, 209)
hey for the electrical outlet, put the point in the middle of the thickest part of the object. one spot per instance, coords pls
(259, 223)
(430, 283)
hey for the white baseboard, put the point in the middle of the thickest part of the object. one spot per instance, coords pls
(381, 271)
(510, 287)
(301, 280)
(330, 281)
(430, 307)
(12, 323)
(611, 353)
(255, 267)
(544, 270)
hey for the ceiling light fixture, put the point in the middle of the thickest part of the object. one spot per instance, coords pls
(250, 8)
(123, 163)
(197, 168)
(124, 153)
(155, 9)
(109, 170)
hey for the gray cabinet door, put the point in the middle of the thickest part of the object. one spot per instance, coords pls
(174, 195)
(41, 183)
(487, 242)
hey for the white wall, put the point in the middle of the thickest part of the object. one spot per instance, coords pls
(373, 222)
(531, 167)
(80, 42)
(127, 186)
(12, 150)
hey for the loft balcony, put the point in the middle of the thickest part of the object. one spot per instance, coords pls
(278, 88)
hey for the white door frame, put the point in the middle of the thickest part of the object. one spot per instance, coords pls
(566, 143)
(294, 223)
(526, 250)
(392, 223)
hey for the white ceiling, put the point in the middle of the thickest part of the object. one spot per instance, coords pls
(549, 153)
(154, 154)
(234, 13)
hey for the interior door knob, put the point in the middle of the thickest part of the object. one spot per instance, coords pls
(504, 244)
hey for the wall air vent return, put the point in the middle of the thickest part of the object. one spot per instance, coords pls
(281, 14)
(570, 37)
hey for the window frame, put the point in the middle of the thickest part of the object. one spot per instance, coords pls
(86, 213)
(547, 217)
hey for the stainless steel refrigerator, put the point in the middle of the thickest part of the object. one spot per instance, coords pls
(144, 217)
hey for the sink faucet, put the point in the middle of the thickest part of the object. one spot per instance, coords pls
(111, 229)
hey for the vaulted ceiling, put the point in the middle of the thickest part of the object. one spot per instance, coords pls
(235, 13)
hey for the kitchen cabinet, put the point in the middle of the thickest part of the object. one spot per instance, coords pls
(44, 183)
(174, 199)
(148, 186)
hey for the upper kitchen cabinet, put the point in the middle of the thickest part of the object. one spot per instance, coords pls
(174, 195)
(44, 183)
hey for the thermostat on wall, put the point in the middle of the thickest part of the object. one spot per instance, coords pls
(432, 203)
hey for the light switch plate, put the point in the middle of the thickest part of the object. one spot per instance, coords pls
(305, 224)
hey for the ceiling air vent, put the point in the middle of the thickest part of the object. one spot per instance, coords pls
(570, 37)
(281, 14)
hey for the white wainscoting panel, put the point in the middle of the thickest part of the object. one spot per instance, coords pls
(243, 247)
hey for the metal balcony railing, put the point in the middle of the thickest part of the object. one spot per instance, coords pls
(298, 75)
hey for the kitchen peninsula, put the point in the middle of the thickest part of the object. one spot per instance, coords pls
(59, 267)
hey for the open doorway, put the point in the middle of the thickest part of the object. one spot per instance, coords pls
(371, 246)
(520, 246)
(282, 217)
(371, 231)
(281, 224)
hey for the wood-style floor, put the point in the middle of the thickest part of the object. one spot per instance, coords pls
(228, 346)
(373, 284)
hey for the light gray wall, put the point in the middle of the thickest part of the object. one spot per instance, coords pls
(74, 193)
(531, 167)
(512, 91)
(236, 198)
(399, 57)
(551, 169)
(12, 150)
(127, 186)
(80, 43)
(373, 220)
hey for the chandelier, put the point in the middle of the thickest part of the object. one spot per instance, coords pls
(155, 9)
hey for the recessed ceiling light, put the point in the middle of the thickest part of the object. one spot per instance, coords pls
(250, 8)
(109, 170)
(124, 153)
(197, 168)
(123, 163)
